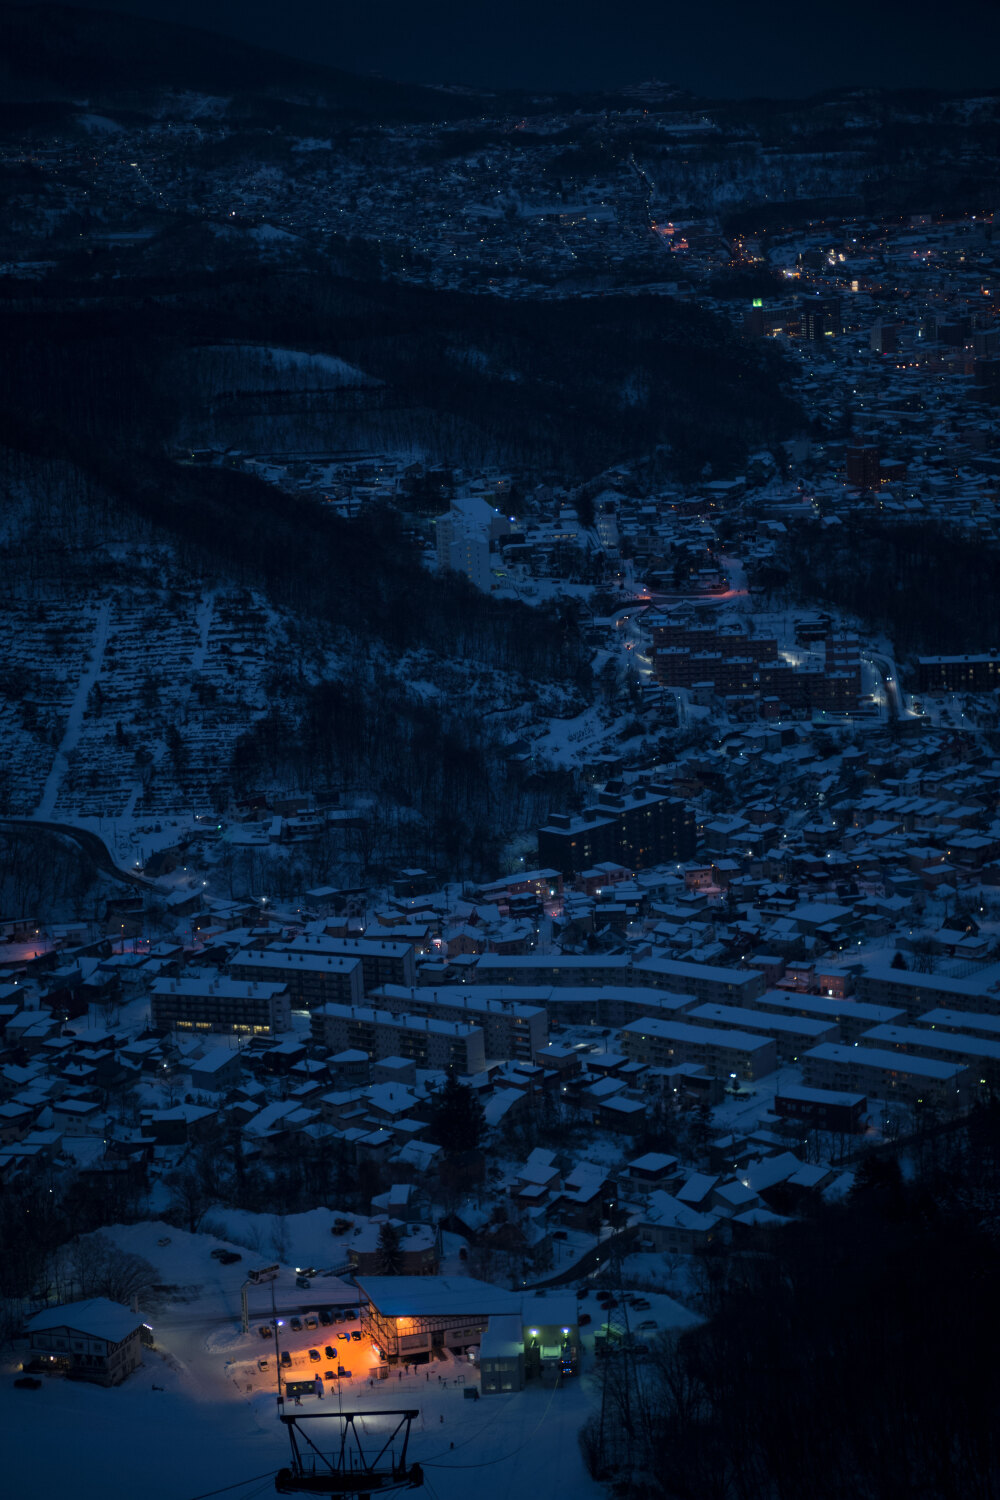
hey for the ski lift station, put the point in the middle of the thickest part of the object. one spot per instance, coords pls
(518, 1335)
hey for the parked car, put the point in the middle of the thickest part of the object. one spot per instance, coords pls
(343, 1374)
(265, 1330)
(649, 1323)
(345, 1336)
(312, 1321)
(286, 1358)
(330, 1352)
(302, 1281)
(296, 1323)
(324, 1317)
(315, 1356)
(229, 1258)
(330, 1375)
(263, 1363)
(356, 1335)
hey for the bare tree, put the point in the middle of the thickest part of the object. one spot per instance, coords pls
(100, 1268)
(279, 1237)
(190, 1200)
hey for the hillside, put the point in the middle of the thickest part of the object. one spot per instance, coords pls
(53, 52)
(573, 384)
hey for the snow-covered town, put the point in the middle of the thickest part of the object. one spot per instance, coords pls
(485, 1137)
(500, 782)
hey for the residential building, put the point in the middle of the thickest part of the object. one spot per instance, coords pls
(851, 1017)
(96, 1340)
(311, 979)
(511, 1030)
(884, 1074)
(959, 674)
(383, 961)
(729, 1054)
(640, 826)
(220, 1004)
(916, 993)
(792, 1035)
(380, 1033)
(822, 1109)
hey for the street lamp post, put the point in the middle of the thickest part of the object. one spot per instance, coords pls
(277, 1344)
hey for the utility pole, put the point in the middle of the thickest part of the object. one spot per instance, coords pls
(274, 1325)
(277, 1345)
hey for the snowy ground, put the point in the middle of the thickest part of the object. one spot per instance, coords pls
(201, 1414)
(202, 1430)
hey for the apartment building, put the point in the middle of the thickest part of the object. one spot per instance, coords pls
(981, 1057)
(708, 983)
(616, 1005)
(792, 1035)
(883, 1074)
(852, 1017)
(822, 1109)
(727, 1054)
(512, 1030)
(965, 1022)
(959, 674)
(702, 982)
(311, 979)
(545, 970)
(429, 1043)
(383, 961)
(243, 1007)
(916, 993)
(639, 826)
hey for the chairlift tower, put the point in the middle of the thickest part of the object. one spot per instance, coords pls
(347, 1470)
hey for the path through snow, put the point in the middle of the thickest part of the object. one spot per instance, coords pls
(74, 723)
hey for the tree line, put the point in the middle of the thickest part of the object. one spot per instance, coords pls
(851, 1352)
(929, 587)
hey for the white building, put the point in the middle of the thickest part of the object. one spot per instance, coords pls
(96, 1340)
(467, 539)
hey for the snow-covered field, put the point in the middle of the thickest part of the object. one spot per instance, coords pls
(201, 1415)
(179, 1428)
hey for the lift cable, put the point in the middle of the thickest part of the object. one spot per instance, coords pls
(431, 1464)
(240, 1484)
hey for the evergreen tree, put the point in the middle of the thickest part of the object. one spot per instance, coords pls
(457, 1118)
(389, 1251)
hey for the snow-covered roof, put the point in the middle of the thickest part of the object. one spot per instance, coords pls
(436, 1296)
(97, 1318)
(668, 1212)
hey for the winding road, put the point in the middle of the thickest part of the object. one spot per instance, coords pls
(92, 845)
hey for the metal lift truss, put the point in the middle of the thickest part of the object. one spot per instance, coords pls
(348, 1471)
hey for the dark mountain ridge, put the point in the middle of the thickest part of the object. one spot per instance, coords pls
(60, 52)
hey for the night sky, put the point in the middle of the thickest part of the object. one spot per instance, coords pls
(710, 46)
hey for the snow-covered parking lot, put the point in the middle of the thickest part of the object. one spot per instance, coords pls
(180, 1428)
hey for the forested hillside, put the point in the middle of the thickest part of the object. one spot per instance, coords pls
(930, 589)
(828, 1365)
(568, 385)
